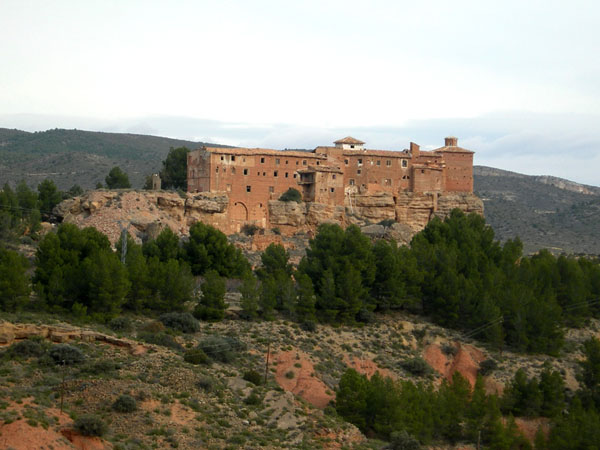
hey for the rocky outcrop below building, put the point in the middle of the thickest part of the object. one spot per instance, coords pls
(145, 213)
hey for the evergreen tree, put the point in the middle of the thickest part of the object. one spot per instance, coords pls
(305, 298)
(48, 196)
(212, 305)
(14, 283)
(250, 296)
(164, 247)
(117, 179)
(174, 169)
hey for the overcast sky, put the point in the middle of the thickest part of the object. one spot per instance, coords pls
(517, 81)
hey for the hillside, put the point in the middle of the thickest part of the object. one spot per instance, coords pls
(545, 212)
(81, 157)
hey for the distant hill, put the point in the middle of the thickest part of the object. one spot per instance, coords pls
(81, 157)
(545, 212)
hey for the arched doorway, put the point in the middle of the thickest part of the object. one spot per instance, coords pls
(239, 215)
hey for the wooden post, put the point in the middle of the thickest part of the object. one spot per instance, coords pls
(267, 364)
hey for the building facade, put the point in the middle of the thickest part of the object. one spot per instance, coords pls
(329, 175)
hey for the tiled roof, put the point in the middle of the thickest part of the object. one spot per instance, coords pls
(453, 150)
(263, 151)
(348, 140)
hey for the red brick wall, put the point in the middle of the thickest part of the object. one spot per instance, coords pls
(459, 172)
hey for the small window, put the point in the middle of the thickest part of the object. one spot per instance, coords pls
(222, 158)
(346, 161)
(262, 160)
(303, 162)
(286, 161)
(351, 182)
(275, 173)
(228, 188)
(388, 162)
(359, 171)
(217, 170)
(244, 159)
(233, 170)
(296, 162)
(245, 171)
(351, 145)
(360, 161)
(224, 169)
(286, 174)
(258, 174)
(422, 171)
(271, 189)
(276, 160)
(294, 175)
(332, 189)
(264, 174)
(378, 162)
(404, 163)
(248, 188)
(233, 157)
(318, 163)
(387, 182)
(333, 176)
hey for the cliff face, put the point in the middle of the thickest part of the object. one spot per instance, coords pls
(145, 213)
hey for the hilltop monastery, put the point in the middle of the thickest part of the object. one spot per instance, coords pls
(336, 176)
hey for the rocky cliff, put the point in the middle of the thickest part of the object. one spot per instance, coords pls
(145, 213)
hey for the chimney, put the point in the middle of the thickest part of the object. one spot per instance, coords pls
(414, 149)
(451, 141)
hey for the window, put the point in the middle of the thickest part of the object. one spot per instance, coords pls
(286, 174)
(351, 145)
(318, 163)
(233, 170)
(286, 161)
(351, 182)
(378, 162)
(228, 188)
(222, 158)
(404, 163)
(245, 171)
(332, 189)
(296, 162)
(346, 161)
(387, 182)
(271, 189)
(275, 173)
(303, 162)
(262, 160)
(294, 175)
(359, 171)
(233, 157)
(422, 171)
(264, 174)
(360, 161)
(248, 188)
(388, 162)
(276, 160)
(217, 170)
(333, 176)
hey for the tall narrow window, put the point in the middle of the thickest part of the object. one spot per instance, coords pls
(275, 173)
(404, 163)
(262, 160)
(245, 171)
(248, 188)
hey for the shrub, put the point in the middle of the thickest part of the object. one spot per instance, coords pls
(89, 425)
(125, 404)
(66, 354)
(309, 326)
(401, 440)
(291, 195)
(120, 324)
(26, 349)
(449, 349)
(205, 384)
(416, 366)
(162, 339)
(276, 231)
(153, 327)
(221, 348)
(290, 374)
(253, 399)
(249, 229)
(387, 223)
(183, 322)
(253, 377)
(196, 356)
(487, 366)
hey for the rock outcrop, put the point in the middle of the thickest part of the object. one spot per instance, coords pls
(145, 213)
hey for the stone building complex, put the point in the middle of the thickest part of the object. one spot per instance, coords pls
(343, 183)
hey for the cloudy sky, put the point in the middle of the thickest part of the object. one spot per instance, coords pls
(516, 81)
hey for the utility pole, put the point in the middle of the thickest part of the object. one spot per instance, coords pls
(62, 387)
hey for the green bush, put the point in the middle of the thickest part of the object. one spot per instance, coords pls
(26, 349)
(153, 327)
(290, 374)
(291, 195)
(183, 322)
(401, 440)
(416, 366)
(253, 377)
(309, 326)
(125, 404)
(387, 223)
(196, 356)
(163, 339)
(66, 354)
(249, 229)
(89, 425)
(253, 399)
(120, 324)
(487, 366)
(205, 384)
(221, 348)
